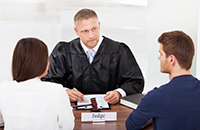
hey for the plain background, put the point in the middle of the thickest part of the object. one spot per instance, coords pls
(138, 23)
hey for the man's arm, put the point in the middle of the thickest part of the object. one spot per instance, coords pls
(130, 77)
(143, 114)
(148, 123)
(57, 67)
(57, 70)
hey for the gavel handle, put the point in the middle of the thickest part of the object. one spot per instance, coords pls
(75, 106)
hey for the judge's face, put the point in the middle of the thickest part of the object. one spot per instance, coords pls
(88, 31)
(164, 61)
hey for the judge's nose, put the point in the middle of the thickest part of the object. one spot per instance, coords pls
(91, 35)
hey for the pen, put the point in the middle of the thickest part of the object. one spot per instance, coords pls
(80, 92)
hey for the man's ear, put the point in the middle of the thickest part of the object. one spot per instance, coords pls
(76, 31)
(172, 60)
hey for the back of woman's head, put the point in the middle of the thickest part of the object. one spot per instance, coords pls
(30, 59)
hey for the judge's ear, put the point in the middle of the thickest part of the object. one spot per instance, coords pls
(99, 25)
(76, 31)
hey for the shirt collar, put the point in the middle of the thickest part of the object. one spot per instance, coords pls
(30, 81)
(95, 48)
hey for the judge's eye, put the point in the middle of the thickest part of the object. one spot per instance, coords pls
(85, 31)
(94, 28)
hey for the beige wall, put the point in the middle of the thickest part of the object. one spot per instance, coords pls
(45, 20)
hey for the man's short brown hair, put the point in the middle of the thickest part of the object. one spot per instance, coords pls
(180, 45)
(84, 14)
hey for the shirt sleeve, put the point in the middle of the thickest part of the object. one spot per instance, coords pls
(130, 77)
(121, 91)
(65, 111)
(65, 88)
(1, 119)
(143, 113)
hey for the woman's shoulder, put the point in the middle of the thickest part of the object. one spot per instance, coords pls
(7, 83)
(52, 87)
(6, 86)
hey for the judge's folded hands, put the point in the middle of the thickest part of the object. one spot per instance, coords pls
(111, 97)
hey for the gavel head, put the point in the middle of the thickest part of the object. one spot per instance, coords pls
(94, 105)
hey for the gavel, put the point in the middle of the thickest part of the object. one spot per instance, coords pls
(93, 104)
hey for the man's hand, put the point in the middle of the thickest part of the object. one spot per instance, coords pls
(112, 97)
(74, 96)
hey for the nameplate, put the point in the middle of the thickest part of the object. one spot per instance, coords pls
(98, 116)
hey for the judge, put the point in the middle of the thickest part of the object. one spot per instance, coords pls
(94, 64)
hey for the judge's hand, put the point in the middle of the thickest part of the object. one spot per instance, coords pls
(74, 96)
(112, 97)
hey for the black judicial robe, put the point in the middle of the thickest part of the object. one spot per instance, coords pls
(113, 66)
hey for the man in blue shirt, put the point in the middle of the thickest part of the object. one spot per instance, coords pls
(175, 105)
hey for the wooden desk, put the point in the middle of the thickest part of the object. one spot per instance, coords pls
(122, 114)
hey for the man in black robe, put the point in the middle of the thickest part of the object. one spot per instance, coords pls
(111, 69)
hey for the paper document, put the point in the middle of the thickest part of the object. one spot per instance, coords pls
(101, 103)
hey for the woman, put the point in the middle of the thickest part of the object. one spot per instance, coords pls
(27, 103)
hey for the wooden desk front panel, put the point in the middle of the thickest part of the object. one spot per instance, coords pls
(122, 114)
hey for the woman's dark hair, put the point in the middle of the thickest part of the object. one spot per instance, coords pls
(30, 58)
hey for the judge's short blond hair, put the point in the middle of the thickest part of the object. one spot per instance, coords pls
(84, 14)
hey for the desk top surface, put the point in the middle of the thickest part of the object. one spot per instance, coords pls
(122, 114)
